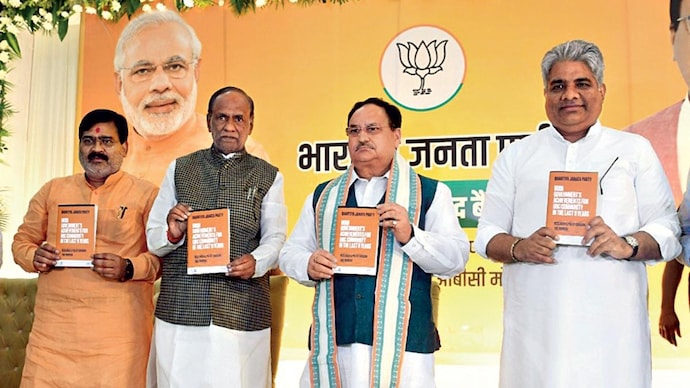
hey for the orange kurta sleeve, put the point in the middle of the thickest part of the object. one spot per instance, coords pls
(33, 231)
(86, 327)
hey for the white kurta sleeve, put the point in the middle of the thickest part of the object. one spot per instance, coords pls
(273, 228)
(657, 212)
(157, 225)
(294, 257)
(497, 211)
(442, 248)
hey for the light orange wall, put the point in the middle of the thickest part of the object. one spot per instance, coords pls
(305, 67)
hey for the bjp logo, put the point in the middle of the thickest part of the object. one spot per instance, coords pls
(422, 60)
(422, 68)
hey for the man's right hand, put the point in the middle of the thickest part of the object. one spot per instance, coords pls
(321, 264)
(538, 247)
(45, 257)
(177, 221)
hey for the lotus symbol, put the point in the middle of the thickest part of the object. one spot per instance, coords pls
(422, 60)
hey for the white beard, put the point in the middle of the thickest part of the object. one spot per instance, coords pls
(161, 124)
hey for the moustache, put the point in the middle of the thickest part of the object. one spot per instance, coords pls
(364, 145)
(95, 155)
(161, 97)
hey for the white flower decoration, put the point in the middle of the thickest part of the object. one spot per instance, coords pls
(12, 29)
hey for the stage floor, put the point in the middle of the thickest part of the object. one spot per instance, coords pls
(476, 375)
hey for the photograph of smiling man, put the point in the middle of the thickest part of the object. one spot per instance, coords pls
(157, 69)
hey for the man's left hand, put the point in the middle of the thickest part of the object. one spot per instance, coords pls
(395, 218)
(109, 265)
(605, 241)
(243, 267)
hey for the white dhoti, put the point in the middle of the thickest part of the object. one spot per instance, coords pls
(354, 362)
(209, 356)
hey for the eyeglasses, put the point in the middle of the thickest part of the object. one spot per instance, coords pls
(369, 129)
(686, 21)
(174, 69)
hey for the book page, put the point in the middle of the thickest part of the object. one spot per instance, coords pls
(76, 235)
(572, 203)
(357, 240)
(208, 241)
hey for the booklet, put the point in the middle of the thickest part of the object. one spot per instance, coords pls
(208, 241)
(572, 203)
(357, 240)
(76, 234)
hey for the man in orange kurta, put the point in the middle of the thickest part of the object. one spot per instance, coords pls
(92, 326)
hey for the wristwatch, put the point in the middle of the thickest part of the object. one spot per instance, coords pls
(632, 241)
(129, 271)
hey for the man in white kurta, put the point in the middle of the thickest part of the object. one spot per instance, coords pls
(355, 351)
(576, 316)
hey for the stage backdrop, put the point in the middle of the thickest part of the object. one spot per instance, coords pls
(476, 88)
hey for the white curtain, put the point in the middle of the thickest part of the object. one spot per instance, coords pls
(42, 143)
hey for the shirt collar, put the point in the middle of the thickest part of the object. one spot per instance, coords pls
(233, 155)
(356, 177)
(110, 180)
(593, 133)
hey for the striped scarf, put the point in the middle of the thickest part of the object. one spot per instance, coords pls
(394, 276)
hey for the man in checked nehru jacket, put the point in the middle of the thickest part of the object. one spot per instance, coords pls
(214, 329)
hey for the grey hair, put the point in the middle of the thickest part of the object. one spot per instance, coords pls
(574, 50)
(149, 19)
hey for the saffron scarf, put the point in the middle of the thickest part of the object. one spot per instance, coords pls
(393, 279)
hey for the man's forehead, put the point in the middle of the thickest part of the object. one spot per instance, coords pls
(232, 111)
(230, 103)
(151, 61)
(102, 129)
(557, 80)
(570, 71)
(369, 113)
(158, 43)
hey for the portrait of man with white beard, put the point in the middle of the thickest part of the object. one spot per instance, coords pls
(157, 67)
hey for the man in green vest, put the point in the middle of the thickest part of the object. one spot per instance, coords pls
(375, 324)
